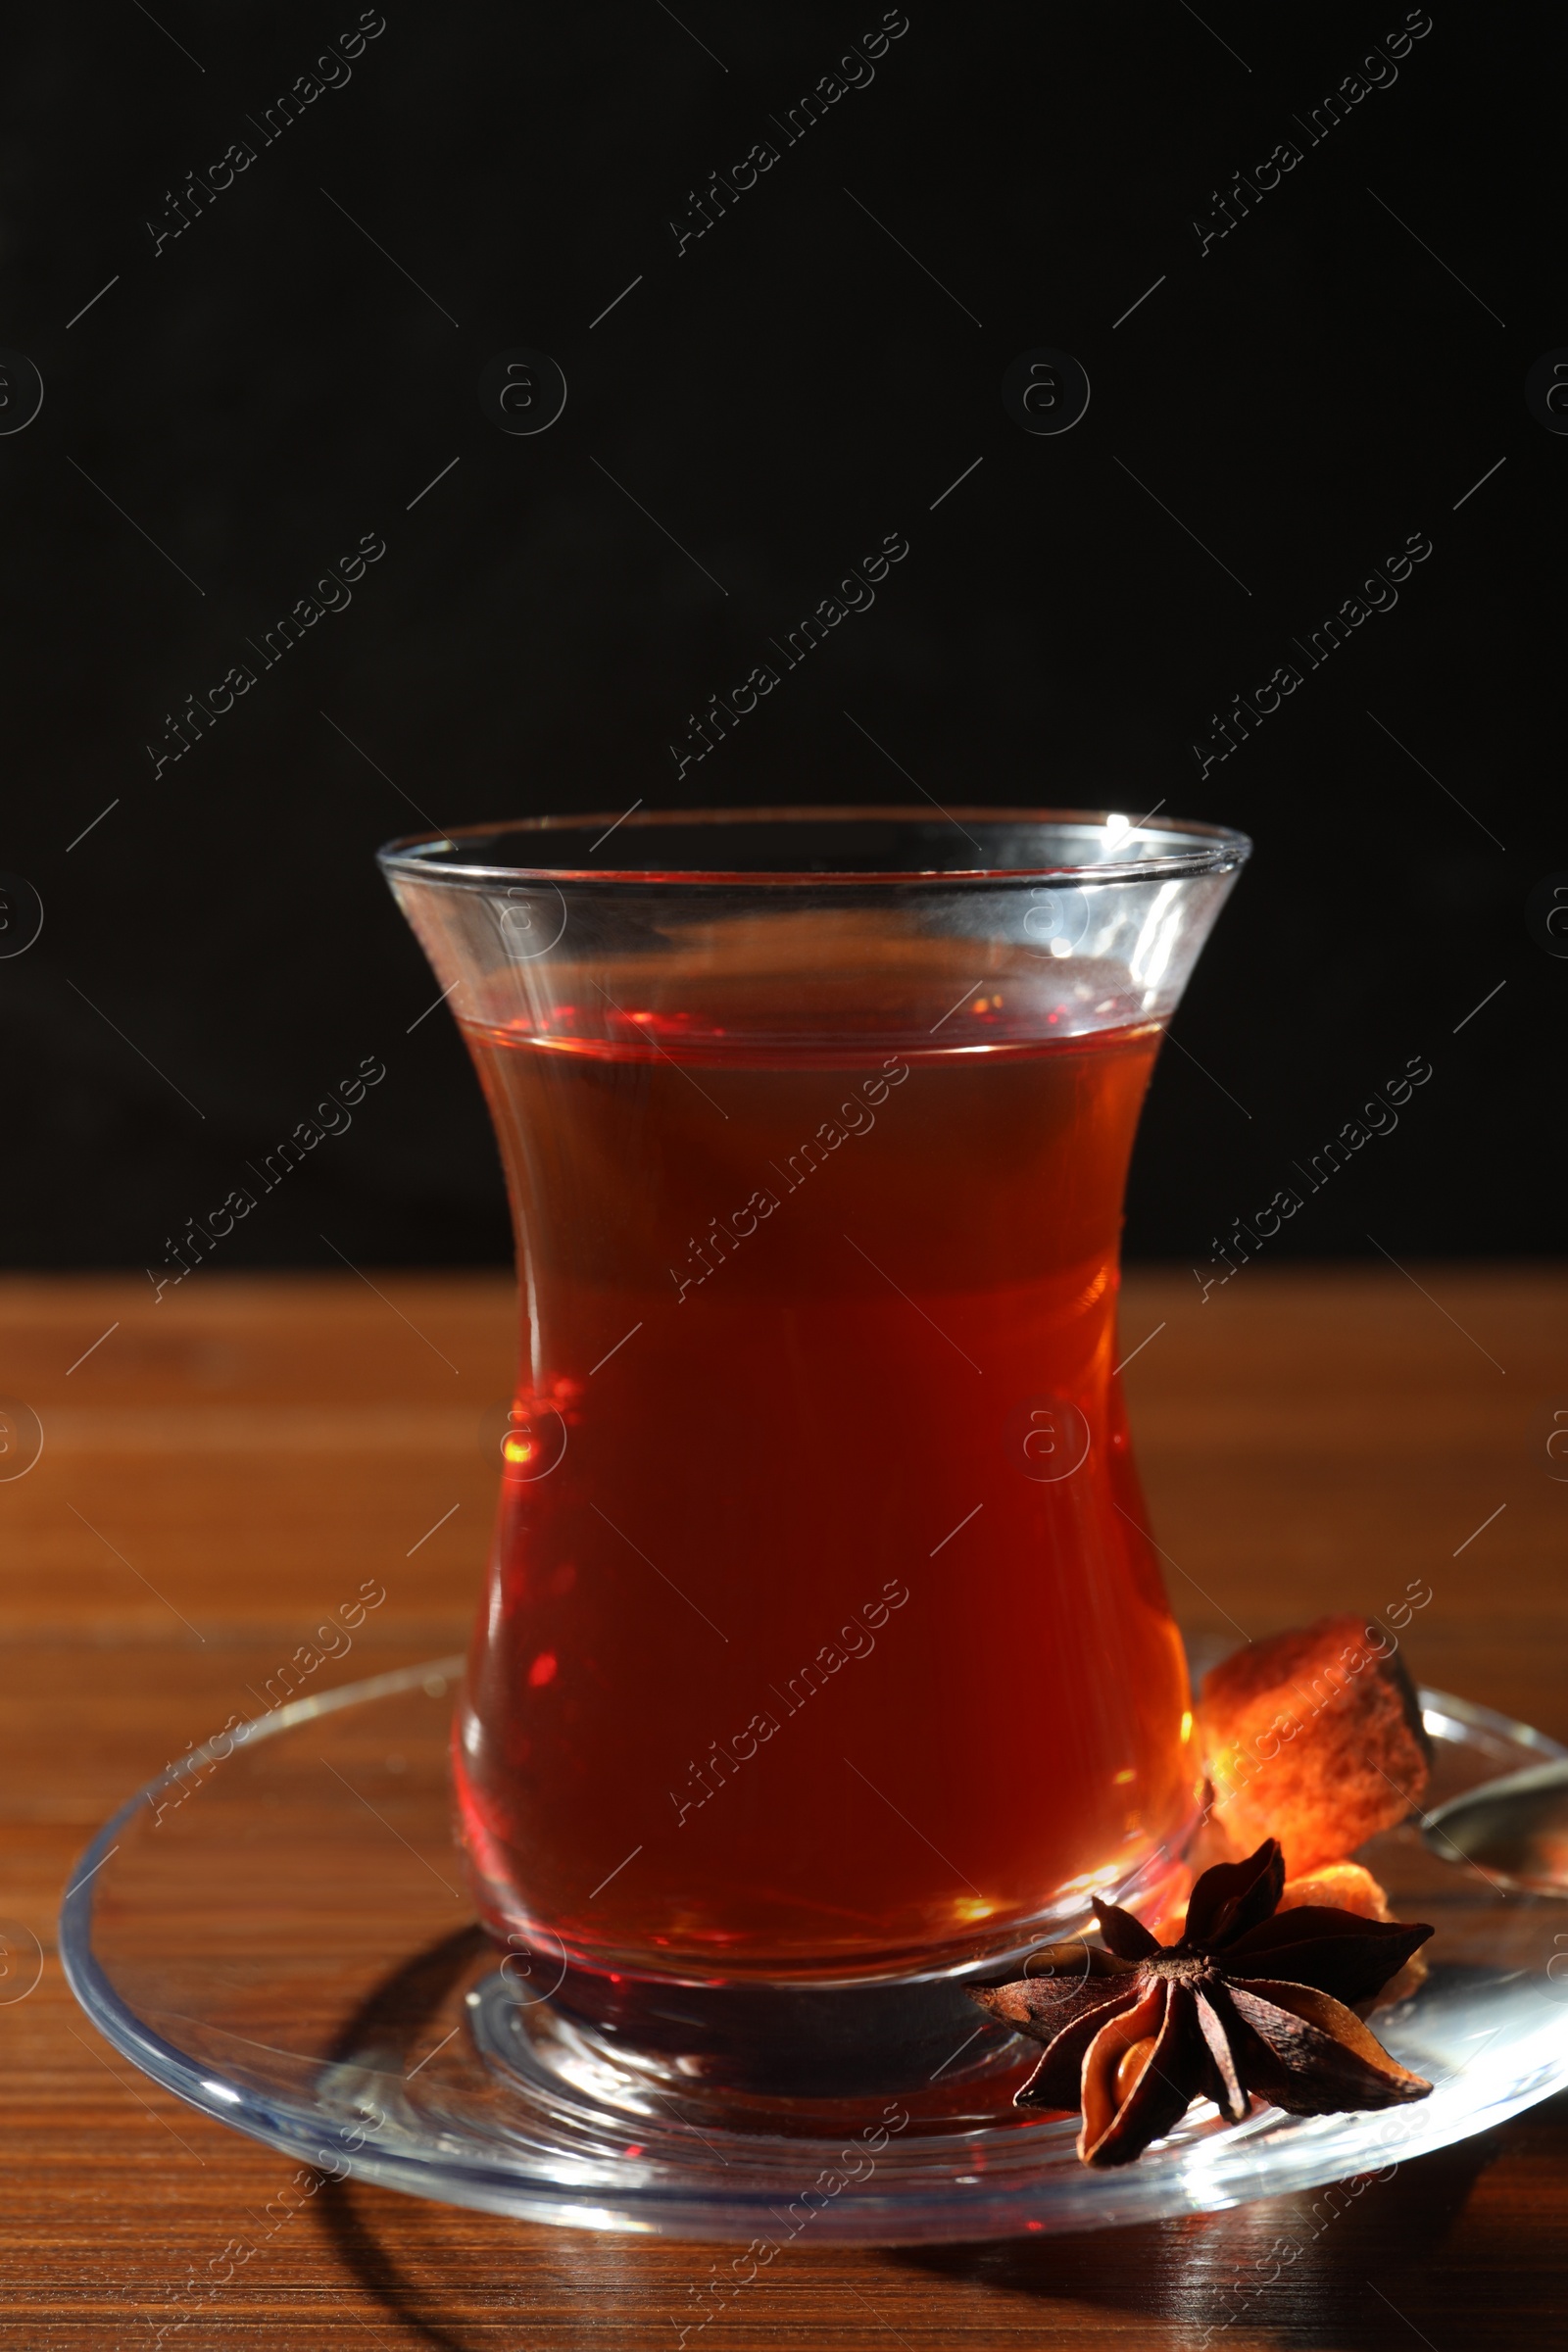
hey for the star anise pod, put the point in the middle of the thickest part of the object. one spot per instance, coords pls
(1249, 2001)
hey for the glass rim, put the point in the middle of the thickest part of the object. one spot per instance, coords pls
(1212, 850)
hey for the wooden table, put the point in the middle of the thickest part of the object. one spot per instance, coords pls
(222, 1464)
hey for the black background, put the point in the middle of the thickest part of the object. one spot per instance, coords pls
(270, 386)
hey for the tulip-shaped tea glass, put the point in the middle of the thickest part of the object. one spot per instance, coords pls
(824, 1658)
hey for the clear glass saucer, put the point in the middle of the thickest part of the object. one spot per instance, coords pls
(276, 1930)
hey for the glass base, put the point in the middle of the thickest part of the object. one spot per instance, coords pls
(281, 1936)
(940, 2086)
(750, 2054)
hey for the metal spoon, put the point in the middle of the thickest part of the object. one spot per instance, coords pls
(1515, 1830)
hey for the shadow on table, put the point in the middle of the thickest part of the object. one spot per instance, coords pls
(396, 2008)
(1356, 2271)
(361, 2235)
(1341, 2264)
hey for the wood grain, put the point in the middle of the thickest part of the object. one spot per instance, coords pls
(228, 1465)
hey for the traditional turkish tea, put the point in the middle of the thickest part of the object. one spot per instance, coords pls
(823, 1626)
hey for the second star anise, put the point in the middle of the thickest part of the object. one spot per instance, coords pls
(1250, 1999)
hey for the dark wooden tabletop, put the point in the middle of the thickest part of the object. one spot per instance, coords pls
(219, 1465)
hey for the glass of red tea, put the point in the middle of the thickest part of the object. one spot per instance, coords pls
(824, 1651)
